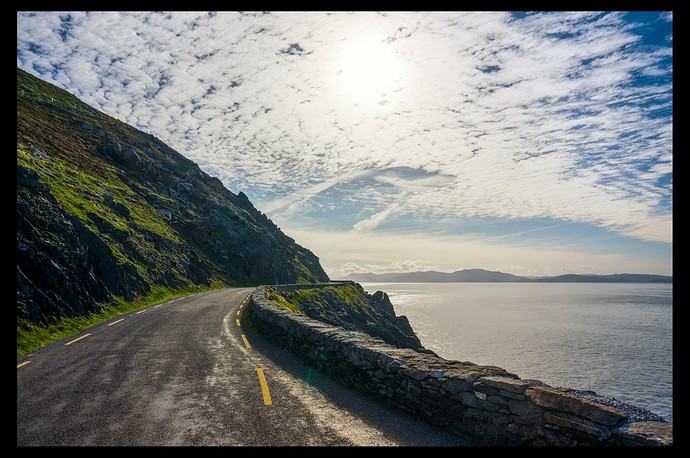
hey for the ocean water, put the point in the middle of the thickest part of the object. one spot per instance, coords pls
(612, 338)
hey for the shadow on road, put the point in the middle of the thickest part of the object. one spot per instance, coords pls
(397, 425)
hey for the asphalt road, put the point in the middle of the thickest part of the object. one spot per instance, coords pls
(187, 372)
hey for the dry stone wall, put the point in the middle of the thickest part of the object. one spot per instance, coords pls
(483, 403)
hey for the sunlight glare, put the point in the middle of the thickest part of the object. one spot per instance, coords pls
(368, 70)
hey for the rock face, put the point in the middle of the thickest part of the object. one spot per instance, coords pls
(483, 403)
(107, 212)
(348, 305)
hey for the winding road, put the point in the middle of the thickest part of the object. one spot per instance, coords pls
(188, 372)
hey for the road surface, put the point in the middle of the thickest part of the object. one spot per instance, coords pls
(189, 372)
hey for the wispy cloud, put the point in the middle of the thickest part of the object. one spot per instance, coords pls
(553, 115)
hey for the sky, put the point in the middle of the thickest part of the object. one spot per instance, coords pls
(534, 143)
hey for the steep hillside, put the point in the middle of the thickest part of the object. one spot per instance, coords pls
(106, 212)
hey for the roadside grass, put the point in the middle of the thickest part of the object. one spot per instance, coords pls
(31, 337)
(283, 303)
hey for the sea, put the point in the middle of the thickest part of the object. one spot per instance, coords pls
(615, 339)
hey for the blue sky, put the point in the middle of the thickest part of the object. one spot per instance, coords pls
(533, 143)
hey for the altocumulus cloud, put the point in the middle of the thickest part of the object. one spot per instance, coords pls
(556, 115)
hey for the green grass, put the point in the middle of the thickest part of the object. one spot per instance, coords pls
(67, 157)
(284, 304)
(32, 337)
(304, 276)
(349, 295)
(322, 296)
(80, 193)
(308, 295)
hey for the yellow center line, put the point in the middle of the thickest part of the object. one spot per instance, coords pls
(27, 362)
(264, 387)
(246, 342)
(77, 339)
(115, 322)
(238, 313)
(140, 311)
(238, 322)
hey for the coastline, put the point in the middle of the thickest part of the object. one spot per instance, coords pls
(485, 403)
(524, 328)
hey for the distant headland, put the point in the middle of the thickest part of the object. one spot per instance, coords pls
(481, 275)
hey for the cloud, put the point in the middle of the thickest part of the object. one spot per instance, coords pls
(554, 115)
(293, 200)
(407, 265)
(378, 218)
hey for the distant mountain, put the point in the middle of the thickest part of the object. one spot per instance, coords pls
(615, 278)
(467, 275)
(481, 275)
(108, 213)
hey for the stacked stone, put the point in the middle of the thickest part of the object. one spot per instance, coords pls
(483, 403)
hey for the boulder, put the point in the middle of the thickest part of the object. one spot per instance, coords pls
(382, 298)
(121, 209)
(130, 158)
(112, 149)
(27, 177)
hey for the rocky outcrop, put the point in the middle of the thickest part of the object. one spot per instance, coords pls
(346, 304)
(105, 211)
(486, 404)
(62, 268)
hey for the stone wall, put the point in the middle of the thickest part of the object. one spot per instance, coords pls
(483, 403)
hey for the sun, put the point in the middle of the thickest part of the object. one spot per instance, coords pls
(368, 70)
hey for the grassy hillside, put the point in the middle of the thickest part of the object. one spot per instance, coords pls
(108, 215)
